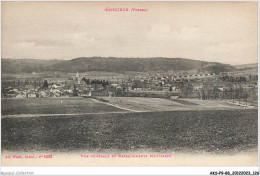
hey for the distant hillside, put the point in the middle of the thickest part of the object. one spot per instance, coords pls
(246, 69)
(111, 64)
(26, 65)
(136, 64)
(246, 66)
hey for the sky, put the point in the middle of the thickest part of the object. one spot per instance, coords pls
(223, 32)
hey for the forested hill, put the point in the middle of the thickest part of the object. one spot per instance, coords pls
(26, 65)
(110, 64)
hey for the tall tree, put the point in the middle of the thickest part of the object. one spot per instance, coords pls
(45, 84)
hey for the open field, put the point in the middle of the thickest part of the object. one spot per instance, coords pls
(214, 131)
(78, 105)
(127, 125)
(54, 106)
(159, 104)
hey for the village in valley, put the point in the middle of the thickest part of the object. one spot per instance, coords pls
(204, 86)
(162, 84)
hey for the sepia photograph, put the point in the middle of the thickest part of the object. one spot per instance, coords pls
(129, 83)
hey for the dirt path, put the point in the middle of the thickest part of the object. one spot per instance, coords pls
(53, 115)
(127, 109)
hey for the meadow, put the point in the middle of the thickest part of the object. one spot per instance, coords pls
(163, 104)
(68, 105)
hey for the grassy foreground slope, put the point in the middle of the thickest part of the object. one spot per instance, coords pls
(216, 131)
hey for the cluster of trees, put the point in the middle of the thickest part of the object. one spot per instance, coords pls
(96, 81)
(22, 83)
(238, 79)
(209, 92)
(45, 84)
(26, 83)
(138, 84)
(233, 79)
(186, 90)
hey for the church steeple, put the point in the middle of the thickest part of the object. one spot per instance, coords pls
(77, 77)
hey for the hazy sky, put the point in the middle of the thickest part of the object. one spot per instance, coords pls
(211, 31)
